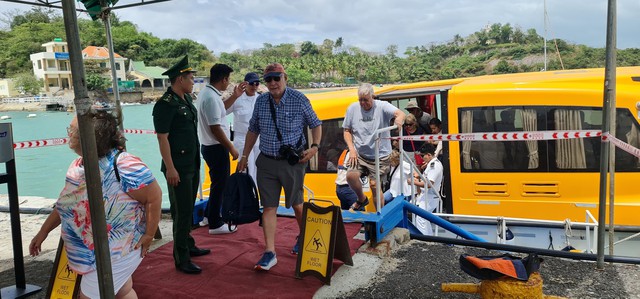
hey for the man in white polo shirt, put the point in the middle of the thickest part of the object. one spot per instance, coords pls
(213, 133)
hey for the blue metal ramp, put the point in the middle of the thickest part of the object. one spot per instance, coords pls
(392, 215)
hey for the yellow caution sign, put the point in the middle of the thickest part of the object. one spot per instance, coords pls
(64, 282)
(323, 236)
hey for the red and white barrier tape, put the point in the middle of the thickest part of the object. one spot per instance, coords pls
(61, 141)
(138, 131)
(40, 143)
(502, 136)
(622, 145)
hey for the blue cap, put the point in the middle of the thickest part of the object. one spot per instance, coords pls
(251, 77)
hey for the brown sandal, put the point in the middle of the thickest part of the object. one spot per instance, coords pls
(359, 206)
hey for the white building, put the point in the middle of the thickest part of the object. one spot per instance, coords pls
(101, 55)
(8, 88)
(52, 66)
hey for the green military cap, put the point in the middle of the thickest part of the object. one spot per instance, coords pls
(179, 68)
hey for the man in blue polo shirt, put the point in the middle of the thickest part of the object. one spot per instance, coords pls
(279, 119)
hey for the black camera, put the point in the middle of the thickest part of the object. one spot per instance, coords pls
(290, 154)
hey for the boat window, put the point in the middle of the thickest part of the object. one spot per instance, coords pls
(501, 155)
(628, 131)
(581, 154)
(428, 103)
(574, 154)
(331, 145)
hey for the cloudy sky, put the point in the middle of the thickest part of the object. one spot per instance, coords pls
(226, 26)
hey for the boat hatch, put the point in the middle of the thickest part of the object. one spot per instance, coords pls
(490, 189)
(540, 189)
(410, 93)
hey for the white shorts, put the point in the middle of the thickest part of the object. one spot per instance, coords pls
(122, 269)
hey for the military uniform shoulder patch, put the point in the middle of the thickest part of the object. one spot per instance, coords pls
(167, 97)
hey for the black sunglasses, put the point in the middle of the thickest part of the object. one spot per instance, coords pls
(268, 79)
(255, 83)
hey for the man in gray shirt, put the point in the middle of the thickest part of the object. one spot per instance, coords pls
(360, 123)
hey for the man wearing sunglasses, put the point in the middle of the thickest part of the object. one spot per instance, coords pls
(242, 109)
(279, 119)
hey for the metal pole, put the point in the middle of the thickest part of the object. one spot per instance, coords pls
(112, 60)
(89, 152)
(609, 93)
(611, 65)
(377, 200)
(16, 233)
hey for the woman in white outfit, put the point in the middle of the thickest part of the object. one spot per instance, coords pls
(429, 200)
(242, 110)
(396, 186)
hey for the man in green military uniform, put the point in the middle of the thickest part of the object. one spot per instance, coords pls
(175, 121)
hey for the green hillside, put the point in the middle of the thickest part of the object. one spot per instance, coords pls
(499, 48)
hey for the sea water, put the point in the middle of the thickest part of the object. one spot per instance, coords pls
(41, 170)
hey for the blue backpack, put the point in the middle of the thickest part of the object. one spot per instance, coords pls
(240, 203)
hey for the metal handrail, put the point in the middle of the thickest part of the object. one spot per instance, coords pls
(377, 163)
(589, 218)
(310, 194)
(532, 221)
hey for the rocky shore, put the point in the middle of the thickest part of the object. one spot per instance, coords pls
(22, 107)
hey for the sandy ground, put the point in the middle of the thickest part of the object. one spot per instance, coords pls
(414, 270)
(22, 107)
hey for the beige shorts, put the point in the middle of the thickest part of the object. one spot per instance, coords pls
(368, 167)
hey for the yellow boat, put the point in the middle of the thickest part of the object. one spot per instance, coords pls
(538, 179)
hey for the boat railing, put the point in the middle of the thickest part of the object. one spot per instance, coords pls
(590, 219)
(590, 226)
(310, 194)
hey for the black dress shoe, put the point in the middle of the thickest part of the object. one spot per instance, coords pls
(199, 252)
(189, 268)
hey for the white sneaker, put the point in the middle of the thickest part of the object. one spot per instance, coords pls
(224, 229)
(204, 222)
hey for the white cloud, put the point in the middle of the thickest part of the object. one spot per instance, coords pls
(225, 26)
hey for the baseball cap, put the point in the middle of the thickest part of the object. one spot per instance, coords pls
(251, 77)
(273, 70)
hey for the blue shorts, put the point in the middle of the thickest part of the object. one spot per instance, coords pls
(346, 196)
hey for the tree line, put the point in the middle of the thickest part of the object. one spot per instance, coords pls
(496, 49)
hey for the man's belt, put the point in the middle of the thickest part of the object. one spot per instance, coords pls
(273, 157)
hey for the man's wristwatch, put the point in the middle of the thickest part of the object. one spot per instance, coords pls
(315, 145)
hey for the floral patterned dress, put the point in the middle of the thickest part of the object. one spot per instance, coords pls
(125, 216)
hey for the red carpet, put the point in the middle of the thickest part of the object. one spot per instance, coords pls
(228, 271)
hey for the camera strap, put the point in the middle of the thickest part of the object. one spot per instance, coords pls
(272, 107)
